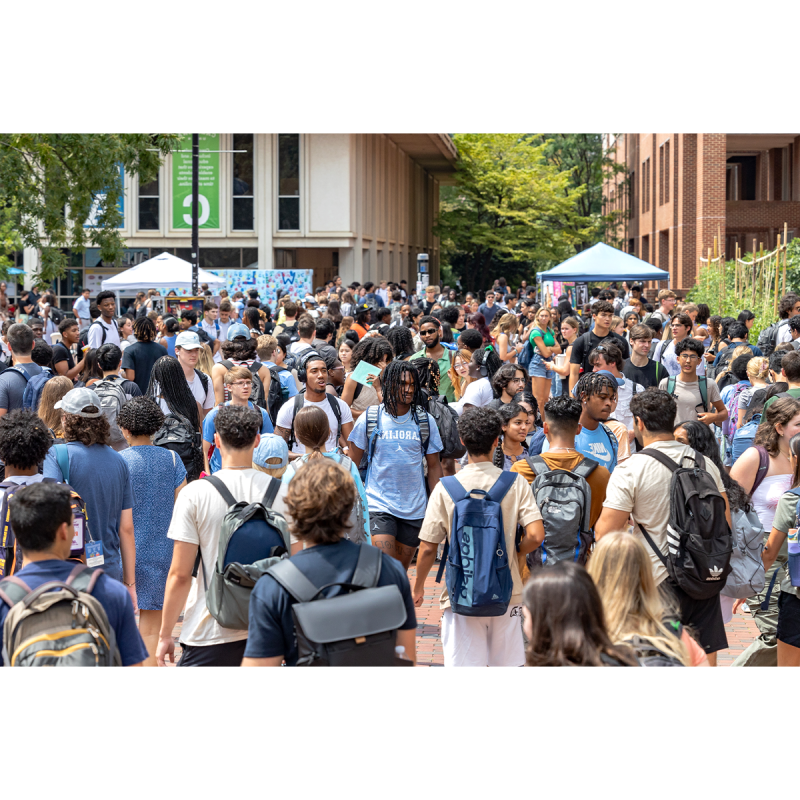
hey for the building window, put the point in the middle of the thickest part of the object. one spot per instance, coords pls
(666, 172)
(243, 182)
(148, 206)
(740, 179)
(632, 193)
(645, 256)
(289, 181)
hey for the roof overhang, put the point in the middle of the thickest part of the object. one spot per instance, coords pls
(434, 152)
(737, 142)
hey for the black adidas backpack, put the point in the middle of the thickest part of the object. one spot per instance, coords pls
(699, 541)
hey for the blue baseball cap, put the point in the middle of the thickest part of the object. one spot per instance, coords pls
(271, 446)
(237, 329)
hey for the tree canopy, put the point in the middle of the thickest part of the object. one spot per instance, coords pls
(61, 191)
(510, 209)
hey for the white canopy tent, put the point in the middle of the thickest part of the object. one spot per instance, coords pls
(165, 271)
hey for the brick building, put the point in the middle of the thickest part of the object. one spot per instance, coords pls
(681, 189)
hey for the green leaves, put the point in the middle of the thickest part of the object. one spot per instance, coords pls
(509, 205)
(51, 183)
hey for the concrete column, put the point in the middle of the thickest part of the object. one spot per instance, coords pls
(264, 205)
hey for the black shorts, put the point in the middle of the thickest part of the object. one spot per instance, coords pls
(789, 618)
(703, 618)
(227, 654)
(405, 531)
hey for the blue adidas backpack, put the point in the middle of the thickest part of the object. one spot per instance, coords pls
(478, 576)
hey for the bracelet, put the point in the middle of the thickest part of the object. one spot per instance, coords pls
(129, 584)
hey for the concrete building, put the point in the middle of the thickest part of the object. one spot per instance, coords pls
(681, 189)
(361, 206)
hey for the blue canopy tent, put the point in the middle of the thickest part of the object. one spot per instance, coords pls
(603, 263)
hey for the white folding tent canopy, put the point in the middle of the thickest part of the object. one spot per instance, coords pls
(165, 271)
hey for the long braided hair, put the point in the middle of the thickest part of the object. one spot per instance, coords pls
(392, 382)
(167, 381)
(429, 375)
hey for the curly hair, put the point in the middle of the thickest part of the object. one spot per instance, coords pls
(429, 375)
(319, 500)
(780, 412)
(402, 341)
(141, 416)
(592, 383)
(503, 377)
(372, 349)
(238, 426)
(86, 431)
(240, 349)
(144, 329)
(24, 439)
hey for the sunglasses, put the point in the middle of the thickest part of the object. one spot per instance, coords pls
(428, 331)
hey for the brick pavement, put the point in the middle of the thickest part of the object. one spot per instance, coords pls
(741, 630)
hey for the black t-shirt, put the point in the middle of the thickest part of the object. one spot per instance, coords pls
(140, 357)
(586, 343)
(62, 353)
(651, 374)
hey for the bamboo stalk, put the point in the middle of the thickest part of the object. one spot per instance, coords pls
(777, 267)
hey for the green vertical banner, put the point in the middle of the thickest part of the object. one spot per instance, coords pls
(208, 196)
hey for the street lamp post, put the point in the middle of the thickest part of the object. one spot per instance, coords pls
(195, 213)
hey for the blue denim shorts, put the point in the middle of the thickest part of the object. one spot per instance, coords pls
(536, 368)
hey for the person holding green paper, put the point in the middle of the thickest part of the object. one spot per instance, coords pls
(430, 332)
(362, 388)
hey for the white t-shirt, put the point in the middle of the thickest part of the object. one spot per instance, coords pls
(478, 393)
(640, 485)
(95, 337)
(624, 396)
(197, 519)
(300, 347)
(286, 413)
(205, 398)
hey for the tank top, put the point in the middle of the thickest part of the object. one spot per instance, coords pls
(766, 497)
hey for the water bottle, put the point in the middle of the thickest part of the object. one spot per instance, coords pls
(794, 556)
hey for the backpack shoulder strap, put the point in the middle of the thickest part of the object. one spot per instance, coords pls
(612, 439)
(661, 458)
(671, 385)
(453, 487)
(703, 386)
(295, 582)
(586, 467)
(424, 429)
(13, 590)
(271, 493)
(337, 412)
(62, 459)
(763, 466)
(502, 486)
(203, 379)
(368, 567)
(226, 363)
(222, 489)
(372, 420)
(299, 400)
(538, 465)
(83, 578)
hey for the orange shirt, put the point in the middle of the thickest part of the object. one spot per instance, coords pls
(358, 329)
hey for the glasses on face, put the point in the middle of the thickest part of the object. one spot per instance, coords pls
(688, 357)
(242, 384)
(517, 380)
(461, 366)
(427, 331)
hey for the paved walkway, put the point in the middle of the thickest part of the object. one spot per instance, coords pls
(741, 630)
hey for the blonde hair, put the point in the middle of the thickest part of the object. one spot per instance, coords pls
(622, 571)
(265, 346)
(508, 323)
(615, 321)
(277, 472)
(758, 368)
(53, 391)
(205, 363)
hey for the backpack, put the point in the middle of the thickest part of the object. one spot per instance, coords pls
(11, 552)
(252, 538)
(744, 437)
(299, 400)
(177, 434)
(565, 500)
(446, 419)
(291, 330)
(356, 627)
(729, 426)
(478, 575)
(525, 355)
(373, 433)
(699, 539)
(723, 364)
(726, 379)
(257, 397)
(59, 624)
(747, 569)
(275, 398)
(649, 654)
(112, 399)
(702, 384)
(32, 395)
(768, 338)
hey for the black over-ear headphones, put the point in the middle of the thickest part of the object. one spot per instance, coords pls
(484, 368)
(311, 355)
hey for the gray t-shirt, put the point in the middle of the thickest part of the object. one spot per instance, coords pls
(785, 520)
(12, 385)
(689, 400)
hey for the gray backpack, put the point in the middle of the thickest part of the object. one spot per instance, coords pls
(565, 500)
(746, 577)
(59, 624)
(252, 538)
(112, 398)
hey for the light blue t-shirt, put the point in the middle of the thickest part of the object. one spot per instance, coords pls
(395, 480)
(81, 307)
(210, 428)
(594, 444)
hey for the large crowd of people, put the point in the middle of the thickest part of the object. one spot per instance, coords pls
(599, 486)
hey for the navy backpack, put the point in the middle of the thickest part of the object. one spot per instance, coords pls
(478, 576)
